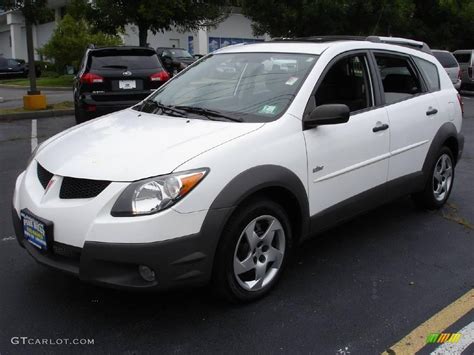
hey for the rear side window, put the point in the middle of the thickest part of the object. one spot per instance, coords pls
(463, 57)
(446, 59)
(400, 80)
(126, 60)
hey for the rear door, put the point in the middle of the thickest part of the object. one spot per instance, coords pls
(411, 110)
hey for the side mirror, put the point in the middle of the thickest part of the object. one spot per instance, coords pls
(327, 115)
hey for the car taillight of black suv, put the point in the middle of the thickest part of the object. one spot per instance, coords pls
(114, 78)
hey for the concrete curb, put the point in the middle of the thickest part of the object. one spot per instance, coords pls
(26, 88)
(35, 115)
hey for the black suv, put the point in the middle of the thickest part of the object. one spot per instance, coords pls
(114, 78)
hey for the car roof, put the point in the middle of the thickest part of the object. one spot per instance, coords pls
(317, 48)
(464, 51)
(119, 48)
(171, 48)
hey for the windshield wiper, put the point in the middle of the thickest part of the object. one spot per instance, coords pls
(208, 113)
(154, 105)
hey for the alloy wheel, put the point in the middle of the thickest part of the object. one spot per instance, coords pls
(259, 253)
(442, 177)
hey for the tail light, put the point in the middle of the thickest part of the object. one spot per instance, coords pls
(160, 76)
(469, 72)
(90, 108)
(90, 78)
(461, 103)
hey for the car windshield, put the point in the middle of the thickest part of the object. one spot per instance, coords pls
(463, 57)
(446, 59)
(250, 87)
(180, 53)
(122, 59)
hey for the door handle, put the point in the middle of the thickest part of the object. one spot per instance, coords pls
(431, 111)
(380, 127)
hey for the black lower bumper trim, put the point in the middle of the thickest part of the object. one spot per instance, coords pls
(183, 261)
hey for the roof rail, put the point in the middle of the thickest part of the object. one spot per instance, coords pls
(376, 39)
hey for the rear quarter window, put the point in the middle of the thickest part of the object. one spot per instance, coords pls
(430, 72)
(126, 60)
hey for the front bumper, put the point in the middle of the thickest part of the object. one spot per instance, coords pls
(184, 261)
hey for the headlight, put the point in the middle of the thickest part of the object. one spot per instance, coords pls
(152, 195)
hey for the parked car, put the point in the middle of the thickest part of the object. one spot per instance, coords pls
(451, 65)
(175, 59)
(113, 78)
(11, 68)
(219, 174)
(465, 59)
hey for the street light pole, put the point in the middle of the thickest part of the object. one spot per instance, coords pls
(33, 100)
(31, 59)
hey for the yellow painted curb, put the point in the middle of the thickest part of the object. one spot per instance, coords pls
(416, 340)
(34, 102)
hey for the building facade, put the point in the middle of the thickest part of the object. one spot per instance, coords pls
(234, 29)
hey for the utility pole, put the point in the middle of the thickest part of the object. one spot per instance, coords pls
(33, 100)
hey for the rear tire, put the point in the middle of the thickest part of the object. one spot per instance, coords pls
(439, 183)
(253, 251)
(81, 116)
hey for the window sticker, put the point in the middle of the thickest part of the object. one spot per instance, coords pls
(291, 80)
(268, 109)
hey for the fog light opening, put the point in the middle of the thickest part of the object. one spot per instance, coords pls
(146, 273)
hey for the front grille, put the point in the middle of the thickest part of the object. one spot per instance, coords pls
(67, 251)
(81, 188)
(43, 175)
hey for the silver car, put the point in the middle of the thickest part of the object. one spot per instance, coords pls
(451, 65)
(465, 58)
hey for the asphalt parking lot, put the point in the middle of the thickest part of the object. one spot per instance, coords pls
(359, 290)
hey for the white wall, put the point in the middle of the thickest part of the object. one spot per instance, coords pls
(5, 49)
(235, 26)
(44, 33)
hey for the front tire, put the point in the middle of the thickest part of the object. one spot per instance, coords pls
(253, 251)
(440, 182)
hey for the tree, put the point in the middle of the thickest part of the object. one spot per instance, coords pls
(298, 18)
(33, 11)
(70, 39)
(111, 16)
(441, 23)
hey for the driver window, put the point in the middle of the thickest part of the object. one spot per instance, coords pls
(347, 82)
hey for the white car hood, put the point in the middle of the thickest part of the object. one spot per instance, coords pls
(130, 145)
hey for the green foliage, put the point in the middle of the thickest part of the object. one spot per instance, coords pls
(33, 10)
(71, 38)
(111, 16)
(441, 23)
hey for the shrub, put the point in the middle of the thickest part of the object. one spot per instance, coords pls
(70, 39)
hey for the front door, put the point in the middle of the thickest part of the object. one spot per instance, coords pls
(346, 160)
